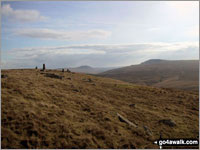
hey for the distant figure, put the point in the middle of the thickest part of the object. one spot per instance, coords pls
(68, 70)
(36, 67)
(44, 67)
(63, 70)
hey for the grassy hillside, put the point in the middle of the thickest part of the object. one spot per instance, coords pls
(182, 74)
(52, 109)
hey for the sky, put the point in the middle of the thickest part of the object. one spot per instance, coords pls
(98, 34)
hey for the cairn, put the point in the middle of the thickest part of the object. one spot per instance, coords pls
(63, 70)
(68, 70)
(36, 67)
(44, 67)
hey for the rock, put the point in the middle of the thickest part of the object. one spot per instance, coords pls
(168, 122)
(167, 108)
(68, 70)
(147, 130)
(107, 119)
(69, 78)
(122, 119)
(132, 105)
(89, 80)
(51, 75)
(193, 108)
(75, 90)
(86, 109)
(4, 76)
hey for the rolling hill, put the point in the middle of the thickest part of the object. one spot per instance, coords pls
(180, 74)
(54, 109)
(90, 70)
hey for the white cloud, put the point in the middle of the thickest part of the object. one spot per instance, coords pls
(49, 34)
(22, 15)
(154, 29)
(193, 32)
(100, 55)
(183, 7)
(133, 47)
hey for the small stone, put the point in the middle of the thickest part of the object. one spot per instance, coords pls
(168, 122)
(193, 108)
(75, 90)
(147, 130)
(107, 119)
(132, 105)
(51, 75)
(86, 109)
(4, 76)
(68, 71)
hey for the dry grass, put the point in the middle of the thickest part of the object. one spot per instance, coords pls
(79, 111)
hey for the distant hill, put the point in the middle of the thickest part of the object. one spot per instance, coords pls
(89, 70)
(181, 74)
(153, 61)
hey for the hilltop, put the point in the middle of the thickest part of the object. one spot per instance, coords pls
(91, 70)
(179, 74)
(153, 61)
(52, 109)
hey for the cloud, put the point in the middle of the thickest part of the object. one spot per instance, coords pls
(154, 29)
(22, 15)
(193, 32)
(133, 47)
(183, 7)
(48, 34)
(100, 55)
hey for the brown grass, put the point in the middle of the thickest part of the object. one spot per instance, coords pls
(79, 111)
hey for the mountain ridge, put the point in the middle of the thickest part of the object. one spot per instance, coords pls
(182, 74)
(153, 61)
(88, 69)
